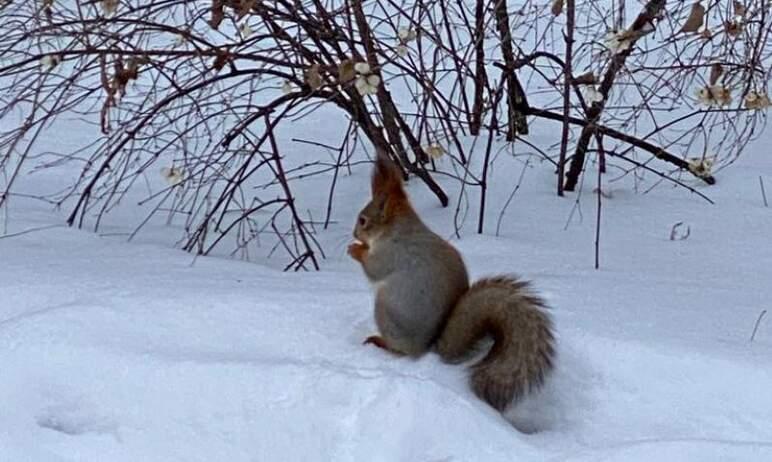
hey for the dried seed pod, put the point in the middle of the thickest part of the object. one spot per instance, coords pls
(733, 28)
(313, 77)
(346, 72)
(696, 18)
(223, 57)
(244, 7)
(715, 73)
(218, 13)
(109, 7)
(588, 78)
(739, 8)
(557, 7)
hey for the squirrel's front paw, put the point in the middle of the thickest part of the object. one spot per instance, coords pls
(357, 250)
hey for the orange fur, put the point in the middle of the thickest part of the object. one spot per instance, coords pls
(387, 184)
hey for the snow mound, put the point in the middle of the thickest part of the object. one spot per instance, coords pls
(115, 351)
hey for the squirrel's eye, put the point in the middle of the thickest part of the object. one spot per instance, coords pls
(362, 221)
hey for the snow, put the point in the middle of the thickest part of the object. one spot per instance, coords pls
(125, 351)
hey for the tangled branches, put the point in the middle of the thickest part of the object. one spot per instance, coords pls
(198, 89)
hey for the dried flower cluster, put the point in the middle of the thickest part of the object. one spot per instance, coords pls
(49, 62)
(617, 41)
(701, 167)
(109, 7)
(404, 36)
(366, 81)
(755, 100)
(714, 95)
(245, 29)
(591, 94)
(172, 175)
(434, 150)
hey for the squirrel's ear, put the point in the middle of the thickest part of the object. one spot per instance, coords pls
(387, 177)
(387, 188)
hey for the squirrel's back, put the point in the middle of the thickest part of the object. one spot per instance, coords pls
(414, 300)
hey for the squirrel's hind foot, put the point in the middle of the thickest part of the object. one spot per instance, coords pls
(380, 342)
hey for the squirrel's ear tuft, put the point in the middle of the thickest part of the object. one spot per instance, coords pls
(387, 188)
(387, 177)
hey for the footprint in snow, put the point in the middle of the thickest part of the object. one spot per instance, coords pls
(74, 420)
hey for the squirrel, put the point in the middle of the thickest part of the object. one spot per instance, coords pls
(423, 298)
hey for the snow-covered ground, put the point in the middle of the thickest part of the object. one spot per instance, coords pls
(126, 351)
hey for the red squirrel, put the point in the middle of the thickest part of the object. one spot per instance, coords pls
(423, 298)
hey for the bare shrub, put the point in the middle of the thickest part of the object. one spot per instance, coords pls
(197, 88)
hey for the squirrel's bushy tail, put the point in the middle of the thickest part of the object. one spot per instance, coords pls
(523, 349)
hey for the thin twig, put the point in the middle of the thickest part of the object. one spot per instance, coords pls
(512, 195)
(30, 230)
(597, 217)
(758, 321)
